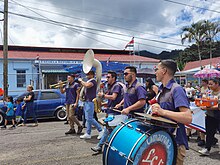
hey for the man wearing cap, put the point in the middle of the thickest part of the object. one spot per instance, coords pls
(72, 98)
(90, 93)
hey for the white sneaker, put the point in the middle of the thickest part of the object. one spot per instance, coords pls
(85, 136)
(204, 152)
(100, 134)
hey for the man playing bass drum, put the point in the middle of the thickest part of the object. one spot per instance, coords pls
(114, 96)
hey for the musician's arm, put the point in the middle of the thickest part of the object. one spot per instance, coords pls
(113, 96)
(87, 84)
(119, 104)
(184, 116)
(139, 104)
(77, 95)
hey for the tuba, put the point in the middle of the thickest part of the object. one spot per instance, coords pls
(89, 61)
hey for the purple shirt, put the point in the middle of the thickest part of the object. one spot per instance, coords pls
(133, 94)
(90, 93)
(114, 88)
(171, 98)
(71, 92)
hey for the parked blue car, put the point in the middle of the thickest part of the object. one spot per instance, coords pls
(47, 103)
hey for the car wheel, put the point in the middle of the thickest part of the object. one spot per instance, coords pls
(2, 119)
(61, 114)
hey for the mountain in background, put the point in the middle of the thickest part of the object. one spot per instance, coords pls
(163, 55)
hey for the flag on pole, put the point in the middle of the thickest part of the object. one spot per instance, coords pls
(130, 44)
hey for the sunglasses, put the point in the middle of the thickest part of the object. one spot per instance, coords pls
(126, 73)
(108, 77)
(156, 69)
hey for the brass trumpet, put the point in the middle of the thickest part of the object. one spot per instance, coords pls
(57, 85)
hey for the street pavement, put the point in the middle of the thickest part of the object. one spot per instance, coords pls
(47, 144)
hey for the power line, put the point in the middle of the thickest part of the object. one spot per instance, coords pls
(63, 25)
(184, 4)
(94, 29)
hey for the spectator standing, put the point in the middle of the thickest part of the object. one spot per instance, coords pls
(29, 106)
(212, 119)
(18, 111)
(9, 113)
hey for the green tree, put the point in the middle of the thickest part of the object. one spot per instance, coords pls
(212, 29)
(194, 33)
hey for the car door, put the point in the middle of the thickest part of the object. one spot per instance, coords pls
(47, 103)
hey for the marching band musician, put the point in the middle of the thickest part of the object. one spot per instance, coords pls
(90, 94)
(173, 104)
(114, 96)
(72, 98)
(135, 94)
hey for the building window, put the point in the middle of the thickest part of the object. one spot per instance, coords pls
(21, 78)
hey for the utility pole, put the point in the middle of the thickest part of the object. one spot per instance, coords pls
(5, 49)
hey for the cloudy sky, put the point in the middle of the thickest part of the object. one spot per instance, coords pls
(106, 24)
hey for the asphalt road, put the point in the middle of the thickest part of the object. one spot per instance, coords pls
(48, 145)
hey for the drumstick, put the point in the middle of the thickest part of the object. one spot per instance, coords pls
(116, 110)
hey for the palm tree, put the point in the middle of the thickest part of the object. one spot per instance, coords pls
(212, 29)
(194, 33)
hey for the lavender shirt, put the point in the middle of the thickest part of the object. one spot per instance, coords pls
(90, 93)
(115, 88)
(133, 94)
(71, 92)
(172, 101)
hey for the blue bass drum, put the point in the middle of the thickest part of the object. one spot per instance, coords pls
(135, 142)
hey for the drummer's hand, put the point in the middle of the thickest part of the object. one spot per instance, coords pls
(157, 110)
(125, 111)
(117, 106)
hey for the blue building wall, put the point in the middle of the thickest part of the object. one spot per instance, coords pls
(31, 75)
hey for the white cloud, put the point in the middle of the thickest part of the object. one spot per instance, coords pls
(145, 19)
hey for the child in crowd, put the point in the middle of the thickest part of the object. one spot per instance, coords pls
(18, 111)
(10, 115)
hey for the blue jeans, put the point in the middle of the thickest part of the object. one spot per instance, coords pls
(104, 136)
(29, 108)
(89, 111)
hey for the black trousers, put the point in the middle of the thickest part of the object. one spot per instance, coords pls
(211, 125)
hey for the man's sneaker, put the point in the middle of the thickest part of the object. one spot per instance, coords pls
(201, 143)
(100, 134)
(79, 131)
(71, 131)
(35, 125)
(97, 148)
(21, 125)
(3, 127)
(12, 127)
(204, 152)
(85, 136)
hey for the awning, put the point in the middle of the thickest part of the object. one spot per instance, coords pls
(54, 71)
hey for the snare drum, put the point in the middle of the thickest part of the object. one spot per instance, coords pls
(134, 142)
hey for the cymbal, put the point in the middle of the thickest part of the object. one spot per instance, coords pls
(157, 119)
